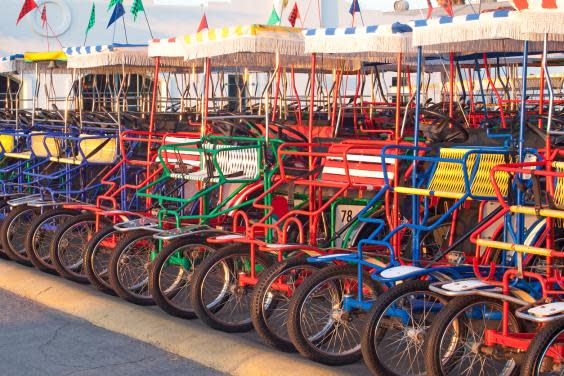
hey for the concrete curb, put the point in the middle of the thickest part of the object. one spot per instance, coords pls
(232, 354)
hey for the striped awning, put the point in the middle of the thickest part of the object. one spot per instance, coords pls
(369, 43)
(254, 47)
(485, 32)
(10, 64)
(109, 57)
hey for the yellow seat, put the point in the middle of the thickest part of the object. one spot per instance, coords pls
(107, 154)
(22, 155)
(8, 142)
(448, 178)
(43, 146)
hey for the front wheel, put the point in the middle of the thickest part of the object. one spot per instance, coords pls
(40, 234)
(456, 344)
(97, 257)
(323, 322)
(14, 231)
(219, 298)
(544, 356)
(68, 245)
(172, 273)
(129, 267)
(271, 300)
(395, 332)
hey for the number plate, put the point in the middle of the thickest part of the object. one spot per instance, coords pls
(345, 214)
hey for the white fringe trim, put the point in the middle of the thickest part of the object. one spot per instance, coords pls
(360, 45)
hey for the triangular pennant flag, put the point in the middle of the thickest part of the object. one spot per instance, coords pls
(113, 3)
(92, 20)
(119, 12)
(136, 8)
(27, 7)
(429, 9)
(203, 23)
(294, 15)
(274, 17)
(447, 6)
(355, 7)
(44, 16)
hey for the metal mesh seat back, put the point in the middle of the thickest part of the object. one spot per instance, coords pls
(449, 176)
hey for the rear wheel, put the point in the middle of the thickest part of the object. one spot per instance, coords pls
(68, 246)
(456, 346)
(130, 264)
(97, 257)
(218, 297)
(14, 230)
(172, 273)
(4, 211)
(320, 325)
(40, 234)
(543, 357)
(394, 335)
(271, 300)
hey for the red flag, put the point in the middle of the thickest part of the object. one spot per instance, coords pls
(27, 7)
(203, 23)
(447, 6)
(430, 9)
(44, 16)
(294, 15)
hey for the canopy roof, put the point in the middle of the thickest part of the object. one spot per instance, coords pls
(371, 43)
(111, 58)
(9, 64)
(496, 31)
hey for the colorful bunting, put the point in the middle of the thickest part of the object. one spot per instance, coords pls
(27, 7)
(274, 17)
(44, 16)
(429, 9)
(92, 20)
(113, 3)
(355, 7)
(203, 23)
(447, 6)
(294, 15)
(118, 13)
(136, 8)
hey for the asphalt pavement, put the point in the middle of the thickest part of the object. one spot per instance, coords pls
(38, 341)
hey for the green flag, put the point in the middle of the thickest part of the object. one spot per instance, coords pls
(136, 8)
(92, 20)
(113, 3)
(274, 17)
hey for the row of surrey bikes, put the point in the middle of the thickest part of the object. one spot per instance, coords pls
(424, 238)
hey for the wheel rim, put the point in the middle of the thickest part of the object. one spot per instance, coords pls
(17, 231)
(41, 239)
(100, 257)
(461, 343)
(71, 246)
(176, 274)
(133, 266)
(325, 324)
(221, 294)
(276, 303)
(400, 332)
(553, 364)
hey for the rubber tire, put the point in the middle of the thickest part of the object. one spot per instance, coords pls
(88, 267)
(381, 305)
(16, 211)
(294, 327)
(199, 307)
(154, 285)
(544, 337)
(262, 287)
(33, 257)
(4, 206)
(440, 325)
(133, 236)
(59, 267)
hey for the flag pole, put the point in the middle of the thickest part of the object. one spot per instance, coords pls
(124, 29)
(148, 25)
(85, 37)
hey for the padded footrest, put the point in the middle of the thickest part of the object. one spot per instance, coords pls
(24, 200)
(178, 232)
(399, 271)
(42, 204)
(138, 224)
(547, 310)
(465, 285)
